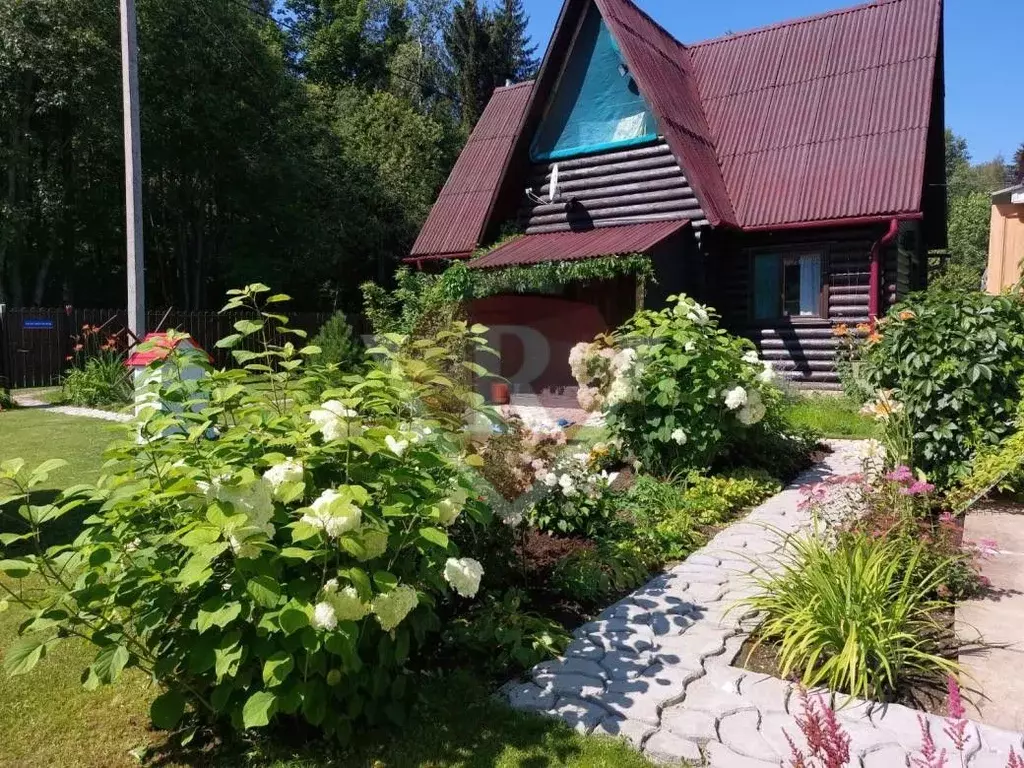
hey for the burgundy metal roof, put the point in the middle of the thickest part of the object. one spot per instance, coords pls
(825, 117)
(570, 246)
(458, 219)
(662, 69)
(821, 118)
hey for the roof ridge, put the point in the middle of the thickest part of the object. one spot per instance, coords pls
(800, 20)
(514, 85)
(654, 21)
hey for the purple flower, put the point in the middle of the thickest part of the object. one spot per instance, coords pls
(902, 474)
(920, 488)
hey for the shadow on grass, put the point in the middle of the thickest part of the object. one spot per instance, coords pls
(457, 722)
(64, 530)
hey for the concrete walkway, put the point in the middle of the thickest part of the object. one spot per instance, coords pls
(999, 619)
(655, 668)
(27, 401)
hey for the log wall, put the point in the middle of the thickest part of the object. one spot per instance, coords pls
(803, 349)
(618, 187)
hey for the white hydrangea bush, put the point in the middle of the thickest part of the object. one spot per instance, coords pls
(673, 386)
(288, 567)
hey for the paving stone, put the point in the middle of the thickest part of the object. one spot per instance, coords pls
(703, 594)
(739, 731)
(529, 696)
(701, 558)
(580, 715)
(690, 723)
(619, 727)
(887, 756)
(668, 683)
(626, 611)
(720, 756)
(583, 648)
(572, 666)
(670, 623)
(693, 646)
(635, 642)
(700, 574)
(776, 727)
(631, 699)
(623, 665)
(767, 693)
(996, 741)
(576, 685)
(665, 747)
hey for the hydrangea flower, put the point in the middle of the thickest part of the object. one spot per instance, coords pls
(751, 357)
(345, 602)
(679, 436)
(334, 514)
(375, 543)
(464, 575)
(735, 398)
(753, 411)
(767, 375)
(335, 421)
(253, 500)
(392, 607)
(449, 509)
(397, 447)
(287, 471)
(324, 616)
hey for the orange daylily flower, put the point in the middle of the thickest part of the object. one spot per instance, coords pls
(906, 314)
(841, 330)
(863, 328)
(874, 337)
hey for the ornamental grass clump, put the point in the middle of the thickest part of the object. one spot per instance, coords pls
(858, 617)
(675, 389)
(261, 553)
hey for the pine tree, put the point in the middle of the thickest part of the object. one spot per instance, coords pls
(513, 57)
(1015, 170)
(468, 43)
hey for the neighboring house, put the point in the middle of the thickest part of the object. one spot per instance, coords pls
(1006, 241)
(792, 176)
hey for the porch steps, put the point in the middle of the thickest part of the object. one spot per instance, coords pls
(804, 355)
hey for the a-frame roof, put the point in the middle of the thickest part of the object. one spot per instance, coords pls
(817, 119)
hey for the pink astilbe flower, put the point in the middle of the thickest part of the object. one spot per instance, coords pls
(829, 744)
(918, 488)
(1013, 761)
(930, 756)
(902, 474)
(956, 720)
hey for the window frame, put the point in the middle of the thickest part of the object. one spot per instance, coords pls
(790, 253)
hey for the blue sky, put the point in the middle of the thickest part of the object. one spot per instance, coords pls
(984, 40)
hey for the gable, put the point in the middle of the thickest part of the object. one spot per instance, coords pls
(596, 105)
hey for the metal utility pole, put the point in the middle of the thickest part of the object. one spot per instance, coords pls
(133, 171)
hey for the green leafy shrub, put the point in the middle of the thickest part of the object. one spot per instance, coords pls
(338, 345)
(6, 400)
(591, 576)
(676, 390)
(999, 467)
(574, 497)
(857, 617)
(502, 635)
(954, 362)
(101, 380)
(289, 568)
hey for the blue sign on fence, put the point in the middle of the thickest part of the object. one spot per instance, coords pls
(37, 325)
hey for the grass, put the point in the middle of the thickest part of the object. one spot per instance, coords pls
(834, 417)
(48, 720)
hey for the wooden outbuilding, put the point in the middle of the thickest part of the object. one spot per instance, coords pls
(1006, 239)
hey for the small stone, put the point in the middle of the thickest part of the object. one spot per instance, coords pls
(690, 723)
(582, 716)
(530, 696)
(665, 747)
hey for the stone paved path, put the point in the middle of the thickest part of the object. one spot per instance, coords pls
(655, 668)
(27, 401)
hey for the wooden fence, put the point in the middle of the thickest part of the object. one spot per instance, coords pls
(36, 343)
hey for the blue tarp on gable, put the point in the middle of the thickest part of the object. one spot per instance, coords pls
(597, 105)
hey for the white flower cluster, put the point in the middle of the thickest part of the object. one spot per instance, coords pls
(572, 476)
(747, 403)
(767, 373)
(392, 607)
(335, 421)
(449, 509)
(606, 377)
(285, 473)
(464, 575)
(255, 501)
(338, 604)
(334, 513)
(692, 311)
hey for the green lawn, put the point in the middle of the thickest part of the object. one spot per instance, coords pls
(48, 720)
(835, 417)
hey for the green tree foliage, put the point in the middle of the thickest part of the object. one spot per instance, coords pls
(305, 151)
(1015, 171)
(487, 48)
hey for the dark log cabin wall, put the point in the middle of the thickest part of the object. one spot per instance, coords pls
(617, 187)
(803, 349)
